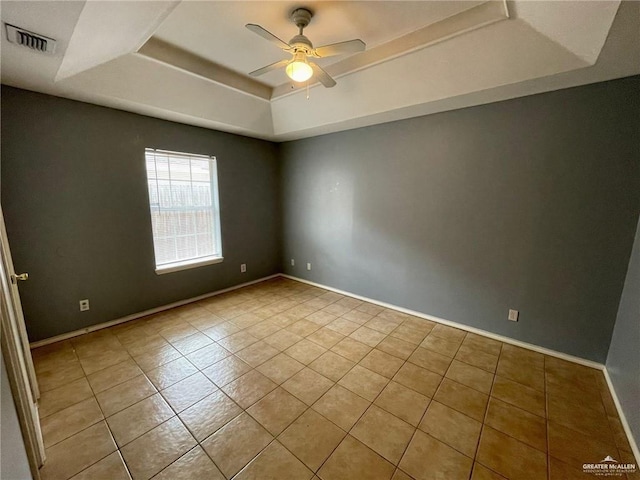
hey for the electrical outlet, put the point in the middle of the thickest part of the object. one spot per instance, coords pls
(84, 305)
(293, 262)
(308, 266)
(513, 315)
(243, 267)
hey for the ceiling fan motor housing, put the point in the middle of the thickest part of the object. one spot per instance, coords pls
(301, 17)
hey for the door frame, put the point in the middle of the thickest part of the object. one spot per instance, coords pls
(18, 360)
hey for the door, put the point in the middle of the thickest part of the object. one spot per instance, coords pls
(17, 356)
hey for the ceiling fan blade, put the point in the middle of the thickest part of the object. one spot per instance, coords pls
(268, 68)
(323, 77)
(350, 46)
(267, 35)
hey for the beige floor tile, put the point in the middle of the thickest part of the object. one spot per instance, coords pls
(341, 406)
(275, 463)
(470, 376)
(60, 398)
(246, 320)
(305, 351)
(236, 444)
(307, 385)
(419, 379)
(60, 375)
(78, 452)
(482, 344)
(156, 357)
(125, 394)
(409, 334)
(400, 475)
(368, 336)
(386, 434)
(352, 460)
(462, 398)
(186, 392)
(370, 308)
(561, 471)
(480, 472)
(427, 458)
(221, 331)
(521, 371)
(170, 373)
(114, 375)
(360, 316)
(351, 349)
(343, 326)
(282, 339)
(383, 325)
(138, 419)
(477, 358)
(157, 449)
(443, 346)
(337, 309)
(226, 370)
(103, 359)
(580, 418)
(452, 427)
(264, 329)
(280, 368)
(519, 395)
(209, 414)
(193, 465)
(620, 436)
(571, 392)
(207, 356)
(258, 353)
(447, 332)
(111, 467)
(303, 327)
(403, 402)
(187, 345)
(331, 365)
(396, 347)
(147, 342)
(178, 331)
(71, 420)
(312, 438)
(236, 342)
(326, 337)
(509, 457)
(277, 410)
(382, 363)
(430, 360)
(249, 388)
(575, 448)
(364, 382)
(517, 423)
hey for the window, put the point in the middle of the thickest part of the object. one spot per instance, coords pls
(185, 216)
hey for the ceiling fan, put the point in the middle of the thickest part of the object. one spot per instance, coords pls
(298, 67)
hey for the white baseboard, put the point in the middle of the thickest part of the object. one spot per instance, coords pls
(133, 316)
(495, 336)
(623, 418)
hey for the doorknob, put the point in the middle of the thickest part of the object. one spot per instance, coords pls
(20, 276)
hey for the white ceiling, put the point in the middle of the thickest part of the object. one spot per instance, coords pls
(422, 57)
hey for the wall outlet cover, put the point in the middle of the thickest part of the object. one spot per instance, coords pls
(84, 305)
(513, 315)
(243, 268)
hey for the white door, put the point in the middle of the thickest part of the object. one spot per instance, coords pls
(17, 356)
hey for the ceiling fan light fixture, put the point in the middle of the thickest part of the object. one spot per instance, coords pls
(298, 69)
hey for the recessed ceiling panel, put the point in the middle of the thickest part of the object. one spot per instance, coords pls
(215, 30)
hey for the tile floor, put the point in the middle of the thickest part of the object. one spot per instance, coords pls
(281, 380)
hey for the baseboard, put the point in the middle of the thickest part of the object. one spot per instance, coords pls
(134, 316)
(623, 418)
(501, 338)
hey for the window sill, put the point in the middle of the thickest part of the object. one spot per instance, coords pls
(187, 264)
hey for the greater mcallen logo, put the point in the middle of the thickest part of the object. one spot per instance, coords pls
(609, 467)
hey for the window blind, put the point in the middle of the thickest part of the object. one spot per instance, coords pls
(183, 199)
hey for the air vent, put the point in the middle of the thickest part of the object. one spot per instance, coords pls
(31, 40)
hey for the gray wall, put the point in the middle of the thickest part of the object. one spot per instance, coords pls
(75, 200)
(528, 204)
(623, 362)
(14, 464)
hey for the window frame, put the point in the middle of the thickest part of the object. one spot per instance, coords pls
(215, 210)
